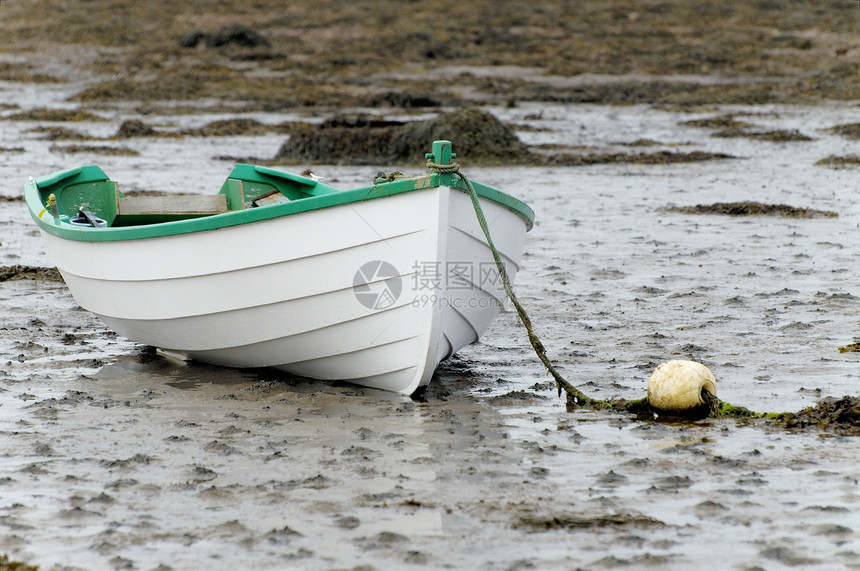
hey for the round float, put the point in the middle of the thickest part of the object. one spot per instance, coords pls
(677, 386)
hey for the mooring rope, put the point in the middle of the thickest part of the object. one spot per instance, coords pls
(578, 396)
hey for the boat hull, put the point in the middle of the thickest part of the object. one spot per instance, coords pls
(376, 292)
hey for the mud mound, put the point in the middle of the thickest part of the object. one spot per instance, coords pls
(476, 135)
(840, 414)
(748, 208)
(134, 128)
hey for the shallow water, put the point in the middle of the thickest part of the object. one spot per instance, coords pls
(115, 458)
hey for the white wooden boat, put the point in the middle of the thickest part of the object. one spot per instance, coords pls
(373, 285)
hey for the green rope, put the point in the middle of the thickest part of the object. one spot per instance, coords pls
(572, 392)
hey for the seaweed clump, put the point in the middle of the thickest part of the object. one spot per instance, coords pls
(774, 136)
(639, 407)
(837, 162)
(750, 208)
(7, 564)
(366, 140)
(233, 34)
(841, 415)
(95, 149)
(55, 133)
(578, 521)
(19, 272)
(642, 409)
(657, 158)
(134, 128)
(239, 126)
(838, 415)
(723, 122)
(728, 126)
(478, 135)
(59, 115)
(849, 130)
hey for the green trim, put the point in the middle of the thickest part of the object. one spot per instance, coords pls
(88, 174)
(305, 195)
(497, 196)
(260, 180)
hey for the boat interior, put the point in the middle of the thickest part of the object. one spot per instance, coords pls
(89, 198)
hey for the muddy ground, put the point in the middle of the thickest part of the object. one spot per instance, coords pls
(269, 56)
(639, 129)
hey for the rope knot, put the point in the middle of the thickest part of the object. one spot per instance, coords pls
(443, 169)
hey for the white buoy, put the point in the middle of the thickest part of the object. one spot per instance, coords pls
(676, 386)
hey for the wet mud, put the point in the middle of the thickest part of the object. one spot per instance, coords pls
(119, 457)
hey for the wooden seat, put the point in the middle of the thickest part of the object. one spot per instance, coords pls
(187, 205)
(153, 209)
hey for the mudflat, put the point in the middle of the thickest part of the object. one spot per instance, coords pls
(693, 169)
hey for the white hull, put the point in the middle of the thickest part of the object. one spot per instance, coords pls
(282, 292)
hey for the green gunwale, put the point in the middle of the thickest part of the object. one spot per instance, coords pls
(36, 193)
